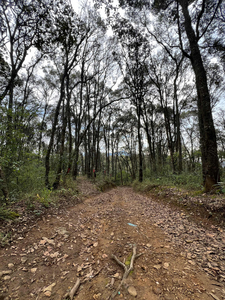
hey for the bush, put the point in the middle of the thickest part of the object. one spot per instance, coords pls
(7, 214)
(185, 180)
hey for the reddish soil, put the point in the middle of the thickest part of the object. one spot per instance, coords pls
(180, 259)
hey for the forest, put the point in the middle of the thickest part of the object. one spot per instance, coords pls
(123, 90)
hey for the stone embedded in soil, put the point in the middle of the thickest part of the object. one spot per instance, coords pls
(10, 265)
(49, 241)
(47, 294)
(7, 277)
(33, 270)
(157, 267)
(62, 231)
(189, 241)
(132, 291)
(23, 260)
(97, 296)
(7, 272)
(156, 290)
(49, 288)
(166, 265)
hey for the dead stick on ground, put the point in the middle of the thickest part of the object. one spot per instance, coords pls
(127, 270)
(73, 290)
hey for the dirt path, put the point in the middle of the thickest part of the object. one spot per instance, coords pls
(179, 259)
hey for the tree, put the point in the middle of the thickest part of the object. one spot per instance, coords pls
(194, 19)
(70, 33)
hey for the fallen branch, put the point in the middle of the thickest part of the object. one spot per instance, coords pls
(73, 291)
(127, 269)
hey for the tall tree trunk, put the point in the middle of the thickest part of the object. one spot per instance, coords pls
(3, 184)
(210, 163)
(54, 125)
(75, 166)
(140, 143)
(65, 116)
(41, 131)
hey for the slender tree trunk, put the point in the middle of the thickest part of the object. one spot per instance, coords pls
(70, 142)
(3, 184)
(210, 163)
(41, 130)
(54, 125)
(140, 143)
(63, 134)
(75, 167)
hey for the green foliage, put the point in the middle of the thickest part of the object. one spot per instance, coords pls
(104, 183)
(185, 180)
(220, 187)
(7, 214)
(44, 197)
(4, 238)
(124, 178)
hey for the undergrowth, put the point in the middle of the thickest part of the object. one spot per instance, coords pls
(187, 181)
(103, 183)
(38, 200)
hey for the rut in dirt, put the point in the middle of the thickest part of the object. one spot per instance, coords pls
(179, 260)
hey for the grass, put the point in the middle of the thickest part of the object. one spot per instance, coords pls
(37, 201)
(184, 181)
(103, 183)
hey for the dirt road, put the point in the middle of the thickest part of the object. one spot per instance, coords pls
(179, 260)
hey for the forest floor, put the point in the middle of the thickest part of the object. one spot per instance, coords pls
(181, 257)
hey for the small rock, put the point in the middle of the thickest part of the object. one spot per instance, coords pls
(189, 241)
(55, 254)
(156, 290)
(97, 296)
(117, 275)
(42, 242)
(33, 270)
(79, 268)
(10, 265)
(62, 231)
(7, 272)
(157, 267)
(148, 245)
(191, 262)
(7, 277)
(51, 242)
(132, 291)
(49, 288)
(189, 255)
(23, 260)
(95, 244)
(166, 265)
(47, 294)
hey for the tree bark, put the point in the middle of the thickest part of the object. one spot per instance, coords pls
(140, 143)
(3, 184)
(210, 163)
